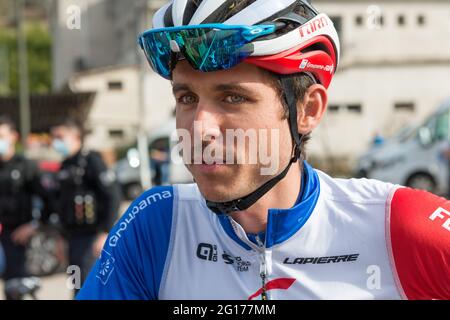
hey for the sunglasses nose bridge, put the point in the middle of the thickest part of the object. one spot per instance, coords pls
(174, 46)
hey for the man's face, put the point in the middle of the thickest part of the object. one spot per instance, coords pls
(8, 139)
(67, 137)
(7, 134)
(238, 98)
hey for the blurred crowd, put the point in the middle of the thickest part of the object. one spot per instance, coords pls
(63, 211)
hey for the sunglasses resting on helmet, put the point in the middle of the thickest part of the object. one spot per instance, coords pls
(207, 47)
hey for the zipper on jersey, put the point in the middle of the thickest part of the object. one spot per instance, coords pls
(258, 247)
(262, 269)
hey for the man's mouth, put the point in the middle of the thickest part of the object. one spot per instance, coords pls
(209, 166)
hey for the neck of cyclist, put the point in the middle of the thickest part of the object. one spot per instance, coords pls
(282, 196)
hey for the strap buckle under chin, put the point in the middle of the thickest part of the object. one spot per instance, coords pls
(224, 207)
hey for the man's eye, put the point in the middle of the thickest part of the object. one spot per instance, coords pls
(187, 99)
(235, 99)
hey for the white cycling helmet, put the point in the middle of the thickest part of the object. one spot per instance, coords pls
(312, 46)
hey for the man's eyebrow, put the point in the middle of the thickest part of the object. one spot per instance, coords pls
(232, 87)
(220, 87)
(180, 87)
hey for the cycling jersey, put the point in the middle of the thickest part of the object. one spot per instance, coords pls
(343, 239)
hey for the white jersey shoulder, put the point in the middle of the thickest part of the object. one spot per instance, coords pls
(355, 190)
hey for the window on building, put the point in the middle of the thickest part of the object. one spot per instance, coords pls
(401, 20)
(421, 20)
(404, 106)
(359, 20)
(115, 85)
(80, 64)
(116, 133)
(333, 108)
(357, 108)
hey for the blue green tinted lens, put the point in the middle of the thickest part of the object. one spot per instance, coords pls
(206, 49)
(211, 50)
(157, 50)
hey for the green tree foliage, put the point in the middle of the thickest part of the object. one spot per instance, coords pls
(39, 59)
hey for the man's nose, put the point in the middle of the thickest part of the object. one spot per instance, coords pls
(207, 122)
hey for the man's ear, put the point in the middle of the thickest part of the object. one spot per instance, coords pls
(312, 108)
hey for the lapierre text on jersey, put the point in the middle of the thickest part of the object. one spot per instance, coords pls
(321, 260)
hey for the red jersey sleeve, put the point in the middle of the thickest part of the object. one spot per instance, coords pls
(418, 229)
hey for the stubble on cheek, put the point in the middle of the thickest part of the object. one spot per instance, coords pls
(237, 182)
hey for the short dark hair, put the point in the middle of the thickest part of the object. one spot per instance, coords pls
(7, 121)
(71, 123)
(301, 83)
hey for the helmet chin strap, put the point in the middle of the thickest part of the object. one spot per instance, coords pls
(247, 201)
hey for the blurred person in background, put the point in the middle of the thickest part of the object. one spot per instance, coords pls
(160, 161)
(87, 198)
(20, 182)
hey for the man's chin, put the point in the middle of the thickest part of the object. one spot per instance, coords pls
(219, 185)
(216, 192)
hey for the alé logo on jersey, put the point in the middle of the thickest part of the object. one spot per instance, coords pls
(206, 251)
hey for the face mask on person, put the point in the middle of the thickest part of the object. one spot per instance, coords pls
(4, 147)
(61, 147)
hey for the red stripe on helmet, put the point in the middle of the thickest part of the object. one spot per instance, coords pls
(316, 56)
